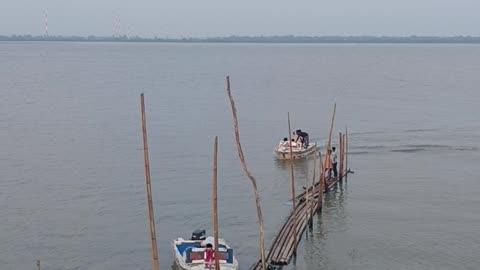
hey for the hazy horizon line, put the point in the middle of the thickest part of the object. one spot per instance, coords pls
(251, 39)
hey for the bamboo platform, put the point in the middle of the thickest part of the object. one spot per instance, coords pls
(282, 248)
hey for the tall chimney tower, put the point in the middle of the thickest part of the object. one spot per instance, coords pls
(46, 23)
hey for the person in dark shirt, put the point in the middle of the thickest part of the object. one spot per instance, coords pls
(303, 136)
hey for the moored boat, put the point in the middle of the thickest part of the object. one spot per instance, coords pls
(298, 151)
(190, 254)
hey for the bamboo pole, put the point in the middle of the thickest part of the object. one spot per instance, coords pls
(343, 153)
(38, 265)
(149, 187)
(292, 181)
(215, 203)
(340, 156)
(346, 153)
(313, 189)
(250, 176)
(307, 199)
(344, 141)
(323, 185)
(329, 144)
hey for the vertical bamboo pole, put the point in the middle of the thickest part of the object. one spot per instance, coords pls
(346, 152)
(307, 192)
(343, 153)
(322, 182)
(313, 190)
(149, 187)
(250, 176)
(38, 265)
(215, 205)
(339, 156)
(329, 144)
(292, 180)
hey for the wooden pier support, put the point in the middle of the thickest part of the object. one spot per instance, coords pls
(313, 185)
(322, 181)
(340, 155)
(215, 204)
(292, 184)
(346, 153)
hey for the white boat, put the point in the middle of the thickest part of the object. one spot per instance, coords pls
(190, 254)
(298, 151)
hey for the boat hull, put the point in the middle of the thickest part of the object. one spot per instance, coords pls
(180, 260)
(284, 152)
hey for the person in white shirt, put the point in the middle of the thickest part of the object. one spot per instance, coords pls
(334, 158)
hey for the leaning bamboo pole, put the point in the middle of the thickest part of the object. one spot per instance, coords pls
(292, 184)
(215, 203)
(149, 187)
(329, 144)
(250, 176)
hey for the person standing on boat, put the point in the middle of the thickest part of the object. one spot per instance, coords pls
(334, 158)
(209, 253)
(303, 136)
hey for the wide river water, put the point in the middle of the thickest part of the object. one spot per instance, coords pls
(72, 188)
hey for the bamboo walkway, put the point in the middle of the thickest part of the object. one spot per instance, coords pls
(282, 248)
(308, 203)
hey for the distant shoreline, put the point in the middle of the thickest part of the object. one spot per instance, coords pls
(258, 39)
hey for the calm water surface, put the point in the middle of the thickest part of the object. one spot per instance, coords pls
(72, 190)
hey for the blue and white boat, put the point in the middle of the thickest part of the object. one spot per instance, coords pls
(190, 254)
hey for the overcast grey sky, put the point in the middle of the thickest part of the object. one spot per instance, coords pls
(200, 18)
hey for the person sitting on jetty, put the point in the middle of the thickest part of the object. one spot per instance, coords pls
(303, 136)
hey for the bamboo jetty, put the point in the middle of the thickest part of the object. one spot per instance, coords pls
(282, 248)
(305, 205)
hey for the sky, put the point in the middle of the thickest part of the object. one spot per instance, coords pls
(207, 18)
